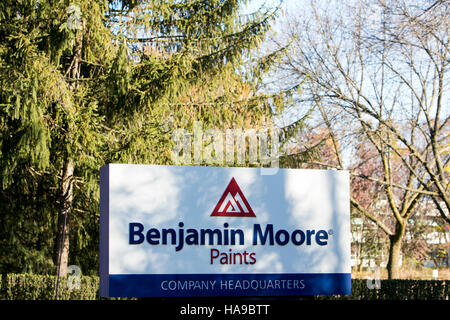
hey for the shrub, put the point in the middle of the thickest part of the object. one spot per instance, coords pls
(397, 290)
(42, 287)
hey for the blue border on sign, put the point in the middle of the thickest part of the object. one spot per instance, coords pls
(231, 285)
(104, 231)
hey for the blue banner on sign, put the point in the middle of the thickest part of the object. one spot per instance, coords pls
(250, 285)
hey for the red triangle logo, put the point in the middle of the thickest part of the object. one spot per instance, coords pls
(233, 203)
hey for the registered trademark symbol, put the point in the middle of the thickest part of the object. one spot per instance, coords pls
(330, 232)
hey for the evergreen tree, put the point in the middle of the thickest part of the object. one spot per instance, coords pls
(84, 83)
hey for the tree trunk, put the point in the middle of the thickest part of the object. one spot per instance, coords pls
(393, 265)
(67, 177)
(359, 259)
(64, 218)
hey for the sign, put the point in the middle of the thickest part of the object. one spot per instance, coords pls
(191, 231)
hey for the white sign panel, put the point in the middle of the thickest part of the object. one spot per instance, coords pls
(179, 231)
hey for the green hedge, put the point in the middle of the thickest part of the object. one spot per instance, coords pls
(39, 287)
(397, 290)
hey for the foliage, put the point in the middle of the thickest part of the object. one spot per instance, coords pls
(380, 90)
(95, 82)
(40, 287)
(398, 290)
